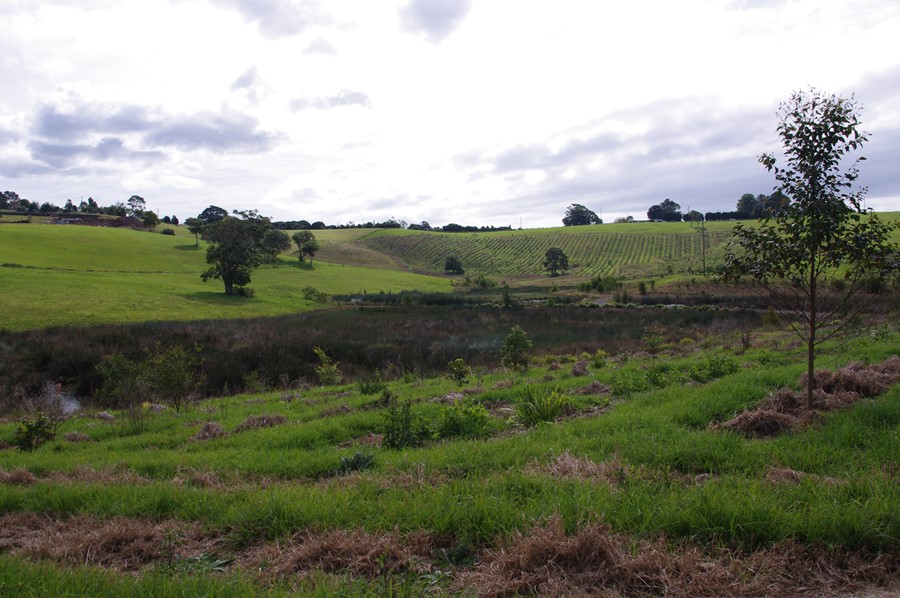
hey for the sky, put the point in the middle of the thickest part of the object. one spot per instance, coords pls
(478, 112)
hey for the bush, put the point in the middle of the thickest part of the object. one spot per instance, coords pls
(32, 433)
(168, 231)
(458, 371)
(598, 360)
(465, 418)
(537, 407)
(357, 462)
(513, 354)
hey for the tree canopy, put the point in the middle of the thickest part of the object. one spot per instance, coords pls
(666, 210)
(813, 252)
(307, 244)
(578, 215)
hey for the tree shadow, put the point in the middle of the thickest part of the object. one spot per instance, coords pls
(187, 247)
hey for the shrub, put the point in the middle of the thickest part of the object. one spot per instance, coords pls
(513, 354)
(315, 295)
(32, 433)
(458, 371)
(539, 407)
(401, 428)
(327, 371)
(465, 418)
(654, 341)
(168, 231)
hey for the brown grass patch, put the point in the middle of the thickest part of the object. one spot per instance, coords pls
(580, 368)
(78, 437)
(90, 475)
(119, 543)
(342, 409)
(449, 398)
(612, 472)
(786, 410)
(4, 445)
(594, 388)
(17, 477)
(554, 366)
(355, 552)
(370, 439)
(595, 562)
(210, 430)
(260, 421)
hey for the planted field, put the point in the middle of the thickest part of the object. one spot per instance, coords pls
(597, 250)
(412, 485)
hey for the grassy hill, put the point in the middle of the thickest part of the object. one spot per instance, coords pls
(58, 275)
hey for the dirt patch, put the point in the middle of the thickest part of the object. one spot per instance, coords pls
(786, 410)
(260, 421)
(210, 430)
(580, 369)
(596, 562)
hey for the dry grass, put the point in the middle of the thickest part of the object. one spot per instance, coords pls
(210, 430)
(78, 437)
(786, 410)
(612, 472)
(594, 388)
(119, 543)
(596, 562)
(580, 368)
(785, 475)
(370, 439)
(260, 421)
(355, 552)
(17, 477)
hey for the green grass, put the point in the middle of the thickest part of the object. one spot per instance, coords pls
(85, 275)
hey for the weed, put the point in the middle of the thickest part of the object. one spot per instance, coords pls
(358, 462)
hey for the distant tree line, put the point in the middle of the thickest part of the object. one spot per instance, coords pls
(135, 206)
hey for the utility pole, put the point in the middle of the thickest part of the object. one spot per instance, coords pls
(703, 244)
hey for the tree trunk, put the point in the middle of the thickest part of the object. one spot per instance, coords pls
(229, 286)
(811, 345)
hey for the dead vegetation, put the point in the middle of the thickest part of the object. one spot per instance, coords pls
(785, 410)
(78, 437)
(210, 430)
(17, 477)
(597, 562)
(594, 388)
(260, 421)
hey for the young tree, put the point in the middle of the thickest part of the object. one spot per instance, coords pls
(578, 215)
(556, 261)
(307, 244)
(513, 350)
(813, 252)
(195, 226)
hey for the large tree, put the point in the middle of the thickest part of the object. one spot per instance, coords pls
(237, 245)
(578, 215)
(136, 205)
(812, 253)
(666, 210)
(212, 214)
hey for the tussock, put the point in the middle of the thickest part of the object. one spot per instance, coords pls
(260, 421)
(17, 477)
(785, 410)
(78, 437)
(210, 430)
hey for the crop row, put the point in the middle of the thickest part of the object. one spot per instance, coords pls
(589, 254)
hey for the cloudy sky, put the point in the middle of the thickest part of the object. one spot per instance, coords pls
(471, 111)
